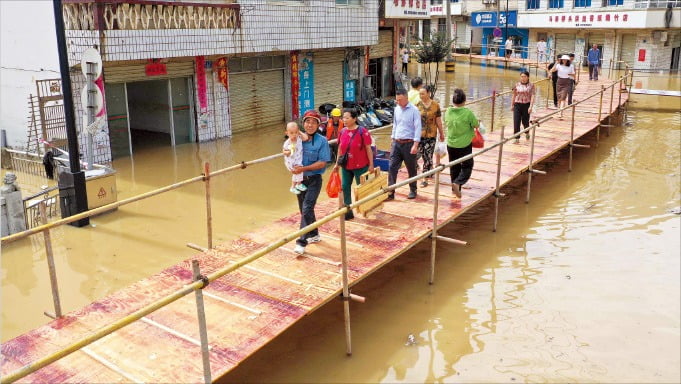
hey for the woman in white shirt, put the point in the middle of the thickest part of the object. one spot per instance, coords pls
(566, 74)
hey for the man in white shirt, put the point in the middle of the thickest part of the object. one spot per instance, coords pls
(405, 60)
(541, 50)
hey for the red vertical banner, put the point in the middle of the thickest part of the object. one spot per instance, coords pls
(223, 73)
(366, 60)
(295, 85)
(201, 83)
(641, 55)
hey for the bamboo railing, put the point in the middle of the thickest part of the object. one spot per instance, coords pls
(199, 281)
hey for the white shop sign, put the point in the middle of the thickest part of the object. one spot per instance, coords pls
(407, 9)
(609, 20)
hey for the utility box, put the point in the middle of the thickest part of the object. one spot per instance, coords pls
(100, 188)
(100, 185)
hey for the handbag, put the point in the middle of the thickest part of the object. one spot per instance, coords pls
(478, 140)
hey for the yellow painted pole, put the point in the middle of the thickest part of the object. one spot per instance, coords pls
(203, 329)
(344, 273)
(572, 136)
(209, 214)
(50, 262)
(433, 239)
(494, 98)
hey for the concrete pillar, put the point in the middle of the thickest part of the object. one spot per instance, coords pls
(12, 207)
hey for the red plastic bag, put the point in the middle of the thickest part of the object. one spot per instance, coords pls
(334, 185)
(478, 140)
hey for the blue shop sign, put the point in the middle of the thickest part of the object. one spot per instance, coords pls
(306, 79)
(349, 90)
(494, 19)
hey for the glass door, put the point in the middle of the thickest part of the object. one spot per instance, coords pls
(118, 119)
(182, 111)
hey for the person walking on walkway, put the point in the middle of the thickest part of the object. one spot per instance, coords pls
(541, 51)
(431, 128)
(508, 47)
(315, 156)
(461, 124)
(405, 61)
(594, 60)
(554, 80)
(333, 127)
(566, 74)
(521, 103)
(406, 135)
(414, 94)
(355, 141)
(573, 84)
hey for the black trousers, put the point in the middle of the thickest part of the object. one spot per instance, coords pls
(404, 67)
(571, 90)
(402, 152)
(521, 113)
(460, 173)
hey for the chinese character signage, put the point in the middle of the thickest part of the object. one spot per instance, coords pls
(494, 19)
(154, 67)
(407, 9)
(306, 79)
(295, 85)
(614, 20)
(201, 83)
(349, 90)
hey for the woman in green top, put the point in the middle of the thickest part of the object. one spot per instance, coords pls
(461, 124)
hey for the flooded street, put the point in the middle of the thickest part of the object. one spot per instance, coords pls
(583, 284)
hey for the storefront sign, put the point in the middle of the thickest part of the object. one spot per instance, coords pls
(584, 20)
(349, 90)
(441, 10)
(295, 85)
(155, 68)
(201, 83)
(223, 74)
(306, 78)
(407, 9)
(494, 19)
(641, 55)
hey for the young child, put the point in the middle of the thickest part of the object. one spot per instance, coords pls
(293, 155)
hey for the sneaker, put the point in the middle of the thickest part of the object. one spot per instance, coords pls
(411, 195)
(456, 189)
(299, 249)
(349, 215)
(314, 239)
(424, 184)
(294, 190)
(301, 187)
(390, 197)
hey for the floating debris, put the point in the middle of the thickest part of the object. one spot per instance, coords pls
(411, 340)
(676, 211)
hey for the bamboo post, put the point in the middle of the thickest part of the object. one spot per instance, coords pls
(600, 111)
(50, 261)
(548, 91)
(497, 194)
(530, 170)
(344, 271)
(494, 99)
(612, 96)
(209, 214)
(201, 313)
(433, 240)
(572, 137)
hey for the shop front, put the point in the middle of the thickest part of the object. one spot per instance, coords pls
(495, 28)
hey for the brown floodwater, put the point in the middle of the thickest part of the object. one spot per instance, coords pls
(580, 285)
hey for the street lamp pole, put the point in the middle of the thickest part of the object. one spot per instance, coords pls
(506, 21)
(78, 194)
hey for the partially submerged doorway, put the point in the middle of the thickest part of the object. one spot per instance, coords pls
(151, 113)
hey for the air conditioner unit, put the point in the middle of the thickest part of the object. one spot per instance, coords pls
(489, 1)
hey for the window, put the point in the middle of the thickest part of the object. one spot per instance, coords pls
(426, 29)
(582, 3)
(556, 4)
(442, 25)
(533, 4)
(615, 2)
(348, 2)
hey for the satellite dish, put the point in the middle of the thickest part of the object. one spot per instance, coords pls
(91, 56)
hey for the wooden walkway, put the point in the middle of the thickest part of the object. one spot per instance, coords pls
(248, 308)
(530, 63)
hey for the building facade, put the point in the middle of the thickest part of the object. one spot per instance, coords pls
(193, 71)
(646, 35)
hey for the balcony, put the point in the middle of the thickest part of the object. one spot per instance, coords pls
(149, 15)
(657, 3)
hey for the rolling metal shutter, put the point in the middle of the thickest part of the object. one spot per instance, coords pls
(628, 50)
(257, 99)
(328, 77)
(463, 35)
(565, 44)
(384, 48)
(135, 72)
